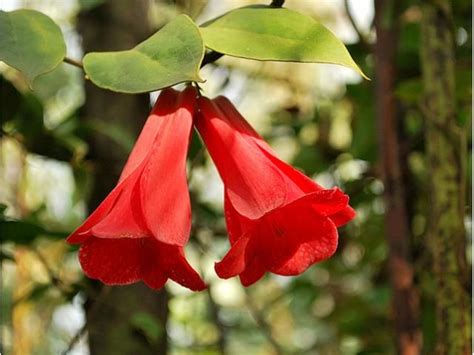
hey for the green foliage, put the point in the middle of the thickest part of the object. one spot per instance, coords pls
(24, 232)
(90, 4)
(263, 33)
(30, 42)
(148, 325)
(171, 56)
(23, 117)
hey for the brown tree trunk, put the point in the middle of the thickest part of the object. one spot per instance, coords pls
(405, 299)
(446, 154)
(112, 315)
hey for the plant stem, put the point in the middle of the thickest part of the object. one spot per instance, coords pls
(262, 324)
(73, 62)
(362, 37)
(277, 3)
(211, 57)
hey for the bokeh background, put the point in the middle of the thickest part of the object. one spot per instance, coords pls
(64, 143)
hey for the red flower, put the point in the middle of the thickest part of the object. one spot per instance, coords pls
(139, 230)
(278, 219)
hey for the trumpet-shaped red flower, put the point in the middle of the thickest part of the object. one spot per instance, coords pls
(139, 230)
(278, 219)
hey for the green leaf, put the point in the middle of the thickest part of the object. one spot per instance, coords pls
(23, 232)
(87, 5)
(149, 325)
(30, 42)
(264, 33)
(171, 56)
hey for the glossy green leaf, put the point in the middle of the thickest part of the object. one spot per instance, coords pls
(171, 56)
(264, 33)
(30, 42)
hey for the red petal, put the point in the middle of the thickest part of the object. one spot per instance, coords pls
(236, 224)
(342, 217)
(114, 262)
(253, 272)
(292, 175)
(238, 122)
(165, 104)
(277, 238)
(164, 189)
(234, 261)
(125, 261)
(252, 182)
(83, 231)
(179, 269)
(320, 247)
(327, 202)
(125, 220)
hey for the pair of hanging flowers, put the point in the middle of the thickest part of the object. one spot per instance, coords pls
(278, 220)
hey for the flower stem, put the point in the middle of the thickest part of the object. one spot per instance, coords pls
(73, 62)
(277, 3)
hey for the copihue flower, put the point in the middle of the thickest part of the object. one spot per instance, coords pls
(139, 230)
(278, 219)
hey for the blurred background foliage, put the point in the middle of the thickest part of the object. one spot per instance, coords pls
(320, 118)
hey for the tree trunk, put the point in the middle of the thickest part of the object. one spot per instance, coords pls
(113, 315)
(445, 156)
(405, 299)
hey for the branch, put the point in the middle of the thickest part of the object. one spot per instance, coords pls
(211, 57)
(363, 39)
(73, 62)
(277, 3)
(105, 290)
(215, 310)
(263, 325)
(55, 280)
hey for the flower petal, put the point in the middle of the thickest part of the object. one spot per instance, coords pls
(112, 261)
(234, 261)
(327, 202)
(125, 261)
(164, 190)
(82, 233)
(236, 224)
(179, 270)
(277, 239)
(253, 183)
(125, 220)
(342, 217)
(319, 247)
(165, 104)
(293, 177)
(252, 273)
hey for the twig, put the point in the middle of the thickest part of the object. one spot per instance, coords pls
(215, 310)
(55, 280)
(277, 3)
(213, 306)
(73, 62)
(211, 57)
(263, 325)
(362, 37)
(105, 290)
